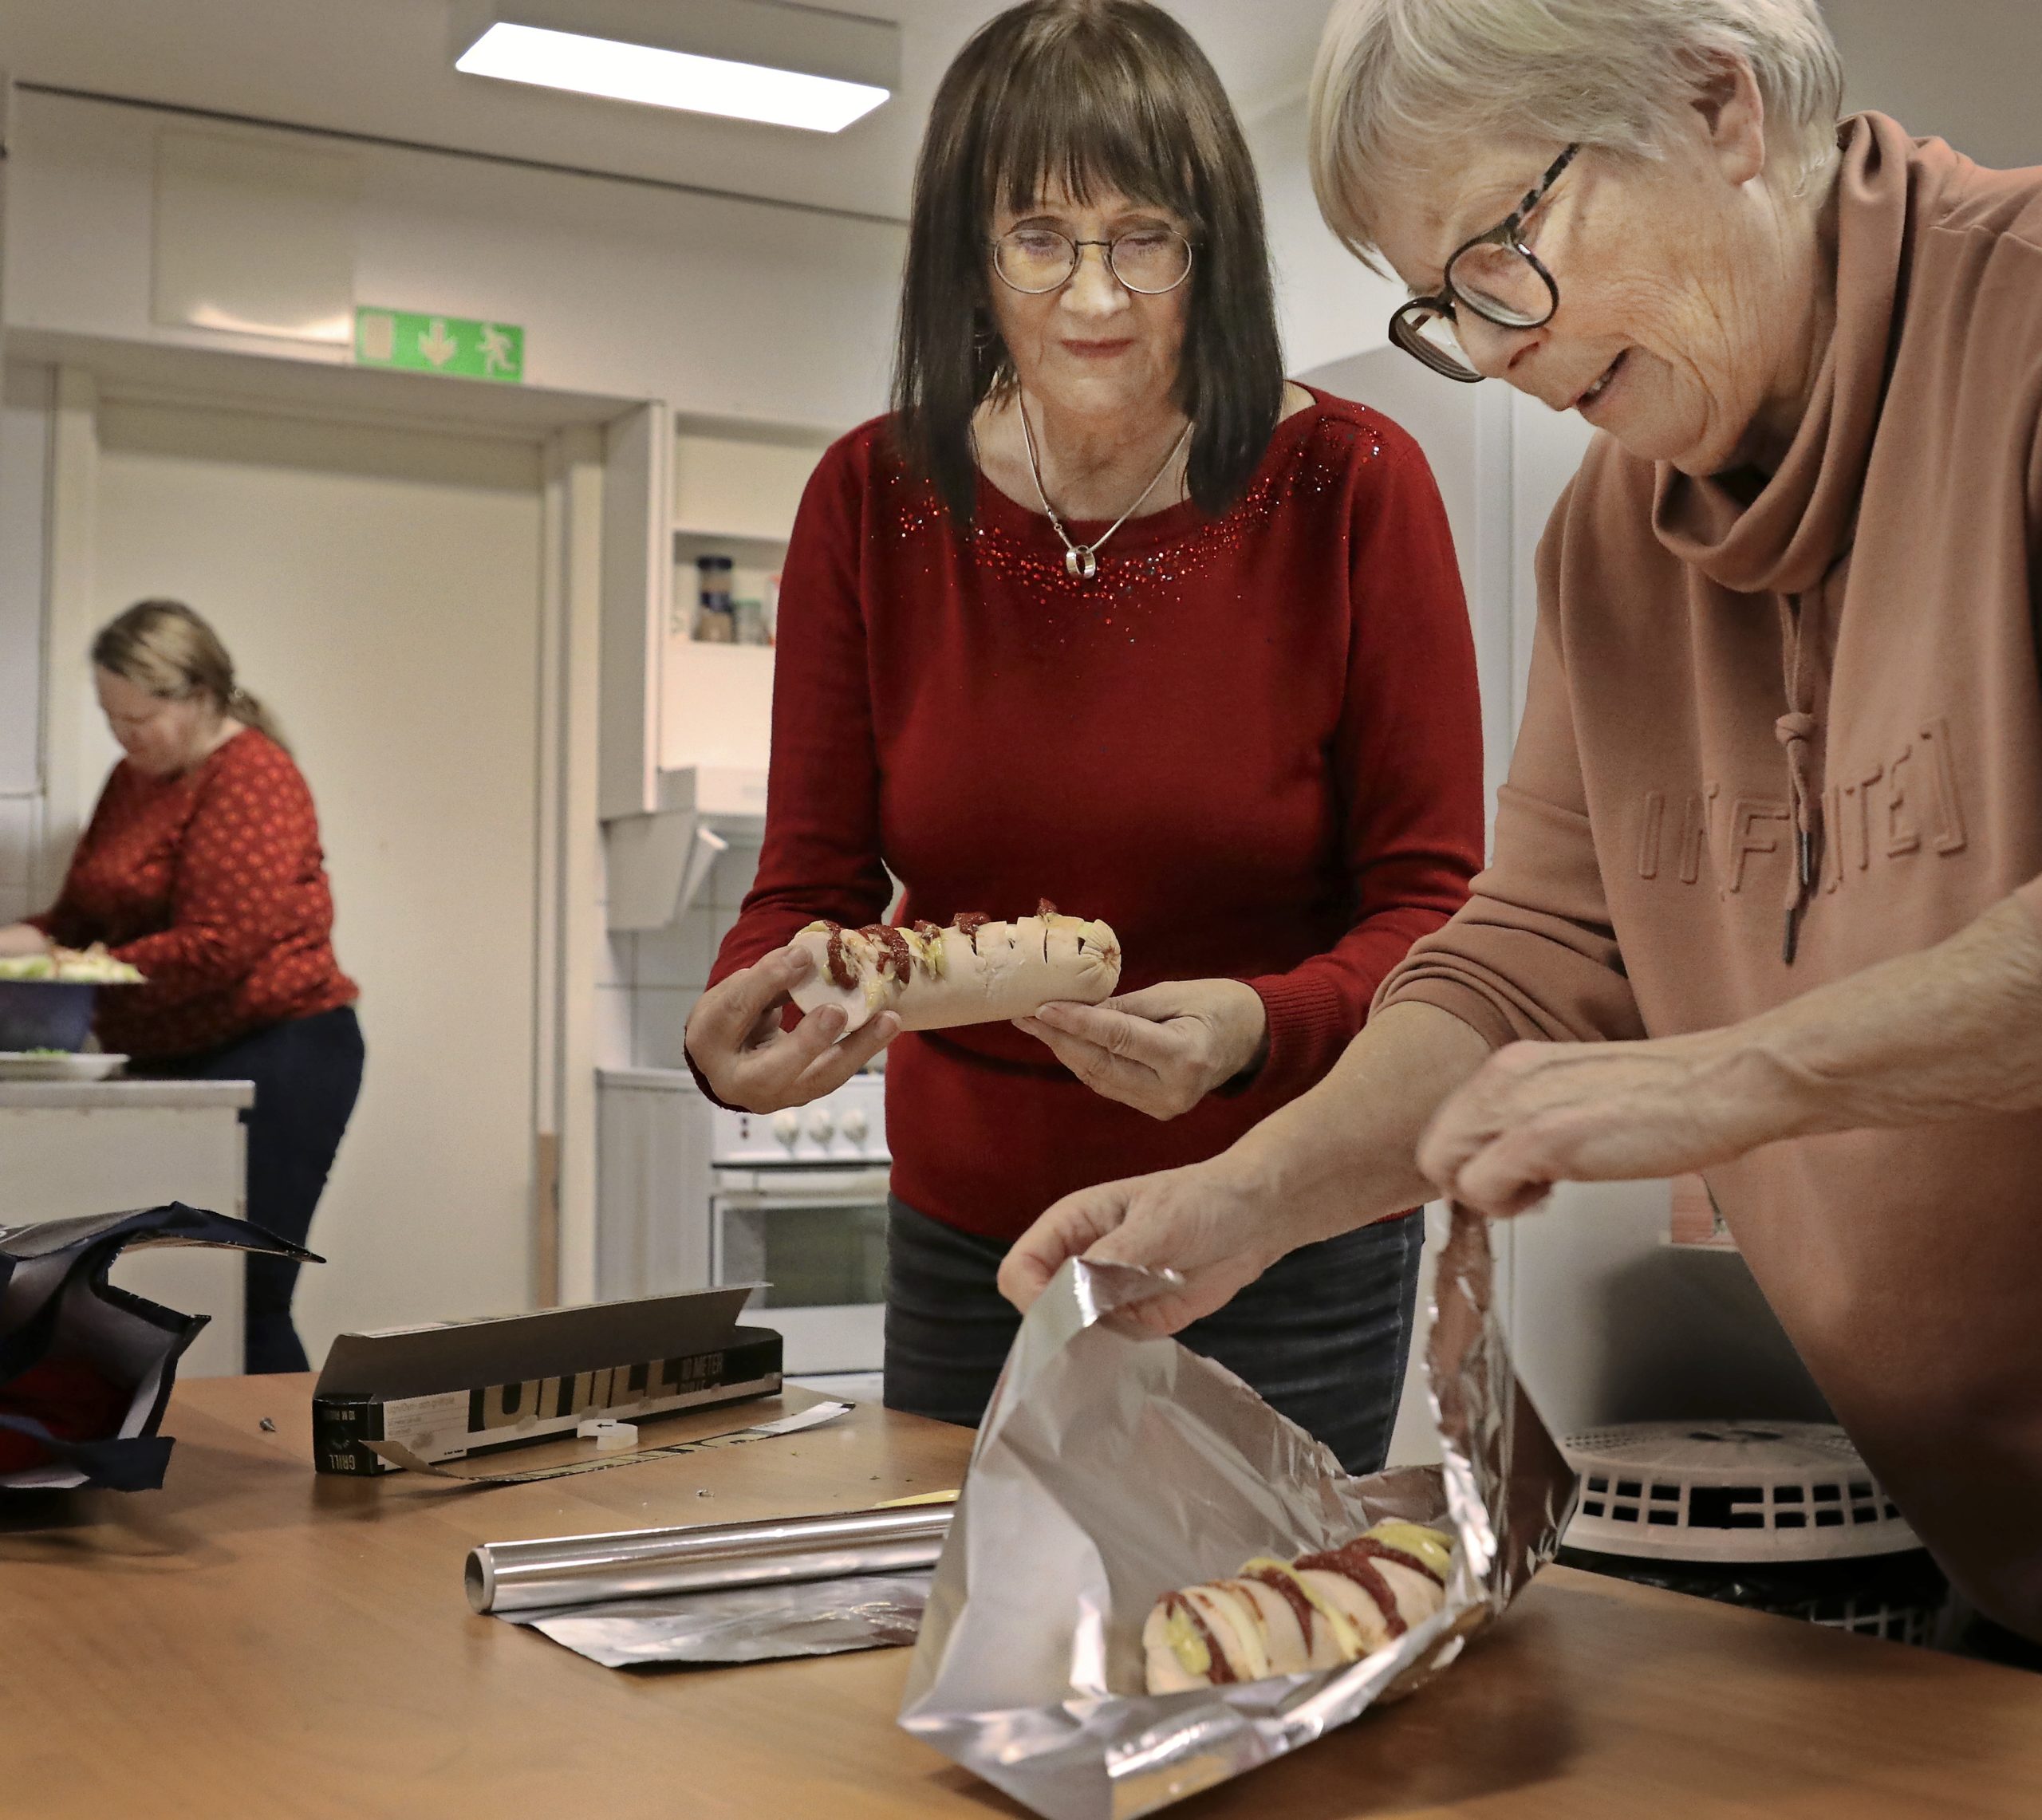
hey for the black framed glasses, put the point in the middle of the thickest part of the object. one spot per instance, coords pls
(1147, 260)
(1496, 276)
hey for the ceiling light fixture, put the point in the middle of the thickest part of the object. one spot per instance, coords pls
(749, 60)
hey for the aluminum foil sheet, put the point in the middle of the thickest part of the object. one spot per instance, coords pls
(1112, 1469)
(508, 1578)
(752, 1624)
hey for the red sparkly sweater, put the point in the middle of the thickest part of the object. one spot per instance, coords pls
(213, 884)
(1252, 745)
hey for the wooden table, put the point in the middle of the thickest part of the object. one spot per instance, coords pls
(256, 1641)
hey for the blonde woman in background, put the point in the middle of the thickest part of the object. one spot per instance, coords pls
(202, 867)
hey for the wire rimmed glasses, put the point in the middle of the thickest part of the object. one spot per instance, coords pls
(1148, 261)
(1496, 277)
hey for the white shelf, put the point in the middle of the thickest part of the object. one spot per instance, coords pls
(687, 487)
(716, 706)
(737, 486)
(692, 540)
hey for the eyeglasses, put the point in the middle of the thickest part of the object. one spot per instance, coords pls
(1496, 276)
(1149, 260)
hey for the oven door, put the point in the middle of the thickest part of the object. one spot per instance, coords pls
(817, 1239)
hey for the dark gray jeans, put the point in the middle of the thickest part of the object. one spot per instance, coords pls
(307, 1073)
(1323, 1336)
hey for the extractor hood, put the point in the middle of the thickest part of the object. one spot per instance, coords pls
(658, 863)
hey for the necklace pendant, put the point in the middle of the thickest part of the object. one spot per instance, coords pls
(1081, 564)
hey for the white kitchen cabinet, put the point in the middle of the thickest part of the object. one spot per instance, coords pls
(653, 1184)
(687, 724)
(741, 480)
(70, 1149)
(736, 489)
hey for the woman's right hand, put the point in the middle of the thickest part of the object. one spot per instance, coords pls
(735, 1036)
(1204, 1221)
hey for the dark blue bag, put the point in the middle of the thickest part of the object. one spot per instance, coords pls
(56, 1303)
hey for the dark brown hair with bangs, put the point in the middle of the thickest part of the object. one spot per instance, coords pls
(1097, 93)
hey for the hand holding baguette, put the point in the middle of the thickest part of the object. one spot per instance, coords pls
(735, 1036)
(1163, 1049)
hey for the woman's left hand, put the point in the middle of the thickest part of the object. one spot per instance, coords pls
(1162, 1049)
(1538, 1113)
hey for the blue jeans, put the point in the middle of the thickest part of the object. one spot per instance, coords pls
(1323, 1336)
(307, 1073)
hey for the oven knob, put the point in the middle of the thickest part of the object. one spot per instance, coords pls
(787, 1127)
(853, 1125)
(821, 1124)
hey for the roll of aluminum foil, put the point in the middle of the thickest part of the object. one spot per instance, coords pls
(507, 1577)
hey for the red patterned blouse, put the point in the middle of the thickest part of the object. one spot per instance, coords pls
(212, 882)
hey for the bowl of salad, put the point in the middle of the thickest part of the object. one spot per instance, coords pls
(46, 999)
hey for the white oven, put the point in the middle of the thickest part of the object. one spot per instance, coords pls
(798, 1203)
(691, 1194)
(817, 1239)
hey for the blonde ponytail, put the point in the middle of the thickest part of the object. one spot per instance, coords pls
(249, 711)
(162, 647)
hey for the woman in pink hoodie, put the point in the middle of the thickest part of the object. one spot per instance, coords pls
(1764, 900)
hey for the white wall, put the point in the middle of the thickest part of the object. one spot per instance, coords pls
(1468, 434)
(1329, 305)
(625, 289)
(1967, 71)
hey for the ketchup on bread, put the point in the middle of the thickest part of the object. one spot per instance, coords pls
(975, 969)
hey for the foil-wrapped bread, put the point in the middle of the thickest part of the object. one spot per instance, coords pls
(1285, 1617)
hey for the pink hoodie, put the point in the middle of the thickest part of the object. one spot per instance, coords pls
(1840, 663)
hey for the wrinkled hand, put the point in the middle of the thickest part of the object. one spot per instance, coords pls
(735, 1038)
(1161, 1051)
(1202, 1221)
(1540, 1112)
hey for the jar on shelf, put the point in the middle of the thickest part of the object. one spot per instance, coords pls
(715, 623)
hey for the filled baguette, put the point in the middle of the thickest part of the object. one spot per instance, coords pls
(974, 971)
(1284, 1617)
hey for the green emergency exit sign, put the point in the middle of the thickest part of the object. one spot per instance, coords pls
(439, 343)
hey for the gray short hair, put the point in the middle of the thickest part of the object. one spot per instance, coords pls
(1398, 82)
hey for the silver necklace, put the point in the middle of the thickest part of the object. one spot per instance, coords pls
(1081, 561)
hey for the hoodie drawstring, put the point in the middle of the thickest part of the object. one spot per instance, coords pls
(1795, 729)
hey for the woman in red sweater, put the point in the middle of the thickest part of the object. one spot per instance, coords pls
(1108, 613)
(201, 867)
